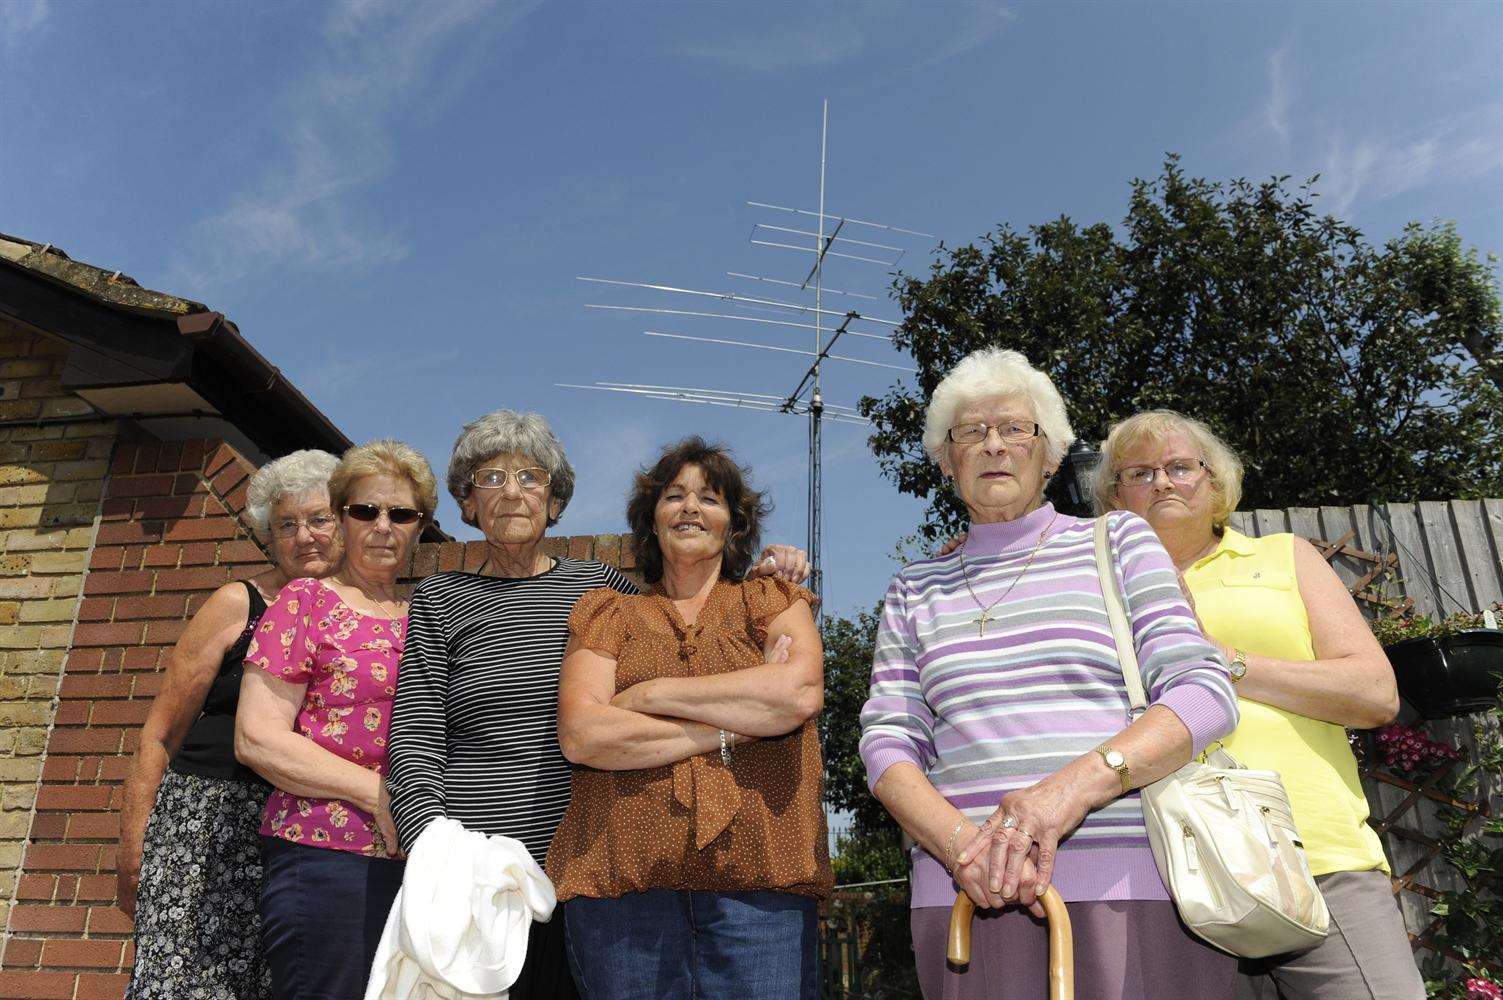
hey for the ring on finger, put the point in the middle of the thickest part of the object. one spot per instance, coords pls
(1009, 822)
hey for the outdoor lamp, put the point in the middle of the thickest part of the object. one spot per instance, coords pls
(1075, 469)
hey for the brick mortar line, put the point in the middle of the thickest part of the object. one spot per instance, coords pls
(7, 934)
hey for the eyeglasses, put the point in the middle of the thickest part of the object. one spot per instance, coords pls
(1181, 472)
(1012, 432)
(528, 480)
(318, 524)
(371, 511)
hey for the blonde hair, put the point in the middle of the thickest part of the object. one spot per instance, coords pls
(990, 372)
(384, 457)
(1150, 425)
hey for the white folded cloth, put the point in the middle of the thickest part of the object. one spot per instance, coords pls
(458, 928)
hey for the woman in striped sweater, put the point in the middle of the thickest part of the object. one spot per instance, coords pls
(997, 730)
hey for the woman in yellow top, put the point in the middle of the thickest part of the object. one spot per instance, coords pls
(1305, 666)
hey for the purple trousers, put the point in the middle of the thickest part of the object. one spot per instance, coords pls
(1124, 950)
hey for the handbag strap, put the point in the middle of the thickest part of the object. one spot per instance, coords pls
(1127, 654)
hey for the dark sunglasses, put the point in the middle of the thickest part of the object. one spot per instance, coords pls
(370, 511)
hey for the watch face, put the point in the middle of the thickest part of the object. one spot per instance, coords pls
(1238, 669)
(1114, 758)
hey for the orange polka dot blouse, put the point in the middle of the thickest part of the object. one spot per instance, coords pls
(697, 824)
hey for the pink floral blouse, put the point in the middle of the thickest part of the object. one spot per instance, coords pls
(349, 662)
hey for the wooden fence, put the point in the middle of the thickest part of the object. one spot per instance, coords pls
(1444, 556)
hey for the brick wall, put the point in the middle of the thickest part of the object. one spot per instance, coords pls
(170, 531)
(52, 465)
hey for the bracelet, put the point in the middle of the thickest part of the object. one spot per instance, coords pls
(725, 750)
(950, 843)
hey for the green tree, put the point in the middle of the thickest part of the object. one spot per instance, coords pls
(1340, 371)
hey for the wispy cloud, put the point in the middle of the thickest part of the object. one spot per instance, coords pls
(1372, 168)
(820, 37)
(1280, 96)
(18, 20)
(376, 62)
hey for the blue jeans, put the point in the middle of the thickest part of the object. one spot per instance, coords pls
(322, 913)
(665, 944)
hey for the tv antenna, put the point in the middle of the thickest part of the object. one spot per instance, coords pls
(782, 304)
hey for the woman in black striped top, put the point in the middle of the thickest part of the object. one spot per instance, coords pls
(474, 733)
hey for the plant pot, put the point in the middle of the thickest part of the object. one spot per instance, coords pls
(1452, 675)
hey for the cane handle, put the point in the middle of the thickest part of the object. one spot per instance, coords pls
(1061, 941)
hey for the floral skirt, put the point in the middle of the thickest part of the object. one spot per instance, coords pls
(198, 929)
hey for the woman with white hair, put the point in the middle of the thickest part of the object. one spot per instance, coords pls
(475, 730)
(1305, 666)
(189, 862)
(998, 732)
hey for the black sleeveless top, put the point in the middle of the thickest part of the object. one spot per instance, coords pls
(209, 748)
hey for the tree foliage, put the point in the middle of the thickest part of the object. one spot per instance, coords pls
(1340, 371)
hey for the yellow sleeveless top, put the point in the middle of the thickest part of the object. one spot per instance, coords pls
(1247, 597)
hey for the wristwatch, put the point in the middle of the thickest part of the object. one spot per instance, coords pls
(1118, 763)
(1238, 665)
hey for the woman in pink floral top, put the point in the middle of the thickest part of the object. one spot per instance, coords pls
(314, 715)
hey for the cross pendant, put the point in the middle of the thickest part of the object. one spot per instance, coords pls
(981, 624)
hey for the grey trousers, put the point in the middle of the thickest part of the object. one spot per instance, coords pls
(1366, 956)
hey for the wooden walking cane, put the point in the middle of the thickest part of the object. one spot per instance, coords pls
(1061, 941)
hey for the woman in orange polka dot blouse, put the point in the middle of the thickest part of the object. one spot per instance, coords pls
(693, 852)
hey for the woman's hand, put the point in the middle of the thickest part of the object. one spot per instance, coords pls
(386, 826)
(127, 881)
(1041, 816)
(974, 879)
(952, 544)
(787, 562)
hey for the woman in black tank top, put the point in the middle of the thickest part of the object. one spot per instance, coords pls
(189, 864)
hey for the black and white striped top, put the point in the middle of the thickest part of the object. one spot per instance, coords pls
(474, 734)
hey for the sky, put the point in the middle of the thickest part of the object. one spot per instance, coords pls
(394, 201)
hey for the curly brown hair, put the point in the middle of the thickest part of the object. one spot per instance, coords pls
(747, 506)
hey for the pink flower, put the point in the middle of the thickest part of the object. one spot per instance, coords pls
(1483, 989)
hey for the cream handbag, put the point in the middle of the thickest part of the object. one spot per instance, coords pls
(1223, 836)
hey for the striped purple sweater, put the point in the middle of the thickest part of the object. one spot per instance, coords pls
(981, 716)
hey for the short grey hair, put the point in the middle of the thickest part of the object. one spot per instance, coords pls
(502, 432)
(290, 475)
(990, 372)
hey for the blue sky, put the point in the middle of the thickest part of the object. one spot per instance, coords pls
(393, 201)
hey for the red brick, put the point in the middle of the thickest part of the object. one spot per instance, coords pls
(187, 484)
(199, 578)
(110, 663)
(72, 713)
(198, 553)
(119, 713)
(62, 857)
(237, 498)
(96, 609)
(84, 660)
(84, 741)
(107, 634)
(141, 658)
(139, 486)
(170, 457)
(132, 558)
(220, 455)
(113, 769)
(450, 556)
(73, 798)
(161, 606)
(95, 889)
(241, 552)
(193, 456)
(100, 686)
(106, 557)
(117, 510)
(117, 583)
(228, 478)
(107, 856)
(157, 556)
(124, 459)
(580, 546)
(146, 455)
(164, 632)
(67, 887)
(49, 826)
(62, 953)
(36, 887)
(23, 952)
(474, 556)
(198, 529)
(32, 919)
(93, 826)
(102, 985)
(129, 533)
(168, 508)
(37, 985)
(60, 769)
(147, 685)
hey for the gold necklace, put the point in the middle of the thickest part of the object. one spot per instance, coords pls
(986, 609)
